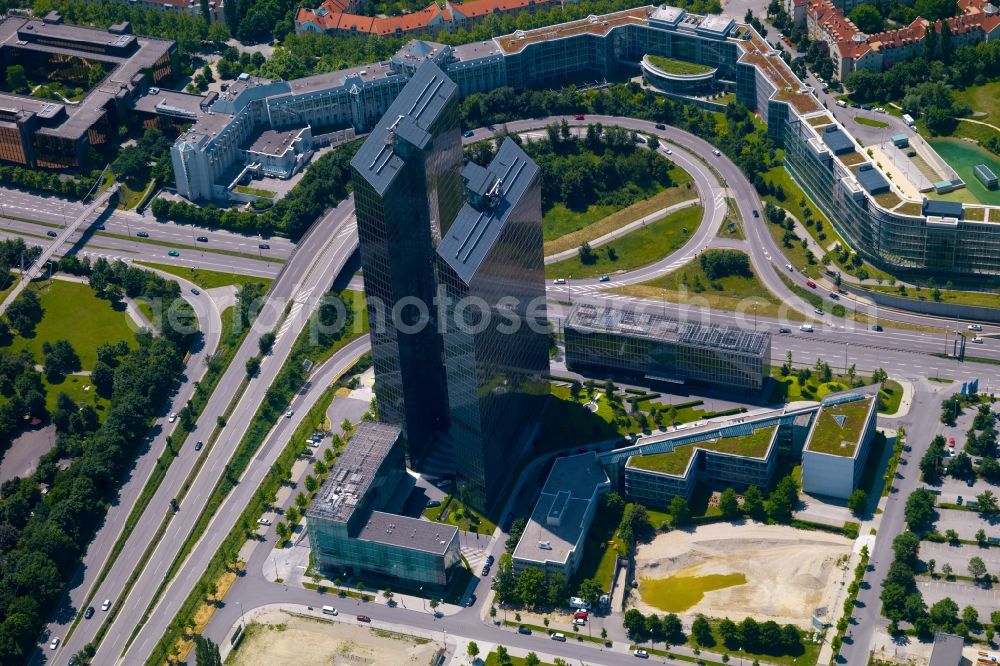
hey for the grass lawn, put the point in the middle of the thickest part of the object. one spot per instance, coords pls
(963, 156)
(13, 283)
(980, 298)
(130, 198)
(808, 655)
(600, 551)
(736, 293)
(793, 204)
(788, 389)
(871, 122)
(255, 191)
(206, 279)
(73, 386)
(982, 99)
(676, 594)
(93, 321)
(459, 515)
(829, 435)
(674, 66)
(638, 248)
(493, 660)
(564, 229)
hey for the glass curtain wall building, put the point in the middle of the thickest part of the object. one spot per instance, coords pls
(407, 194)
(491, 271)
(647, 345)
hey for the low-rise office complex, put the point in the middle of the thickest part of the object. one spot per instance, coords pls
(108, 69)
(554, 536)
(648, 345)
(352, 529)
(741, 456)
(838, 445)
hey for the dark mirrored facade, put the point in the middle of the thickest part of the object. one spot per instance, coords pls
(491, 274)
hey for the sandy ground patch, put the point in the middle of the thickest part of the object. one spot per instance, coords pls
(278, 638)
(789, 572)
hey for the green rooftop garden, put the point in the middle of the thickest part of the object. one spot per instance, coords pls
(829, 436)
(674, 66)
(676, 461)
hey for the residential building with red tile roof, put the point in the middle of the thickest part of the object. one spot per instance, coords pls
(192, 7)
(851, 49)
(336, 17)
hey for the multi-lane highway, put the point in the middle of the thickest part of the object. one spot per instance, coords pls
(304, 279)
(309, 272)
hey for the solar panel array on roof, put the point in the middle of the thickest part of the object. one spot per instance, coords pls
(660, 327)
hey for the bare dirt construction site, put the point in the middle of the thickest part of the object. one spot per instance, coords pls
(277, 639)
(768, 572)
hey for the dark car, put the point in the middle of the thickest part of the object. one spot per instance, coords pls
(756, 213)
(51, 234)
(99, 227)
(485, 572)
(490, 560)
(661, 126)
(364, 618)
(471, 602)
(195, 291)
(264, 246)
(467, 133)
(198, 445)
(877, 328)
(89, 613)
(521, 629)
(142, 234)
(202, 239)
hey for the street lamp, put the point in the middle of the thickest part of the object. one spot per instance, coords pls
(241, 615)
(422, 600)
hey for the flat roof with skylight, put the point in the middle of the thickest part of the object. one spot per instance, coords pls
(839, 428)
(676, 462)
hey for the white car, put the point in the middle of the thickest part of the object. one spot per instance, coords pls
(106, 605)
(669, 152)
(978, 340)
(288, 414)
(264, 521)
(975, 327)
(172, 417)
(642, 654)
(54, 643)
(560, 281)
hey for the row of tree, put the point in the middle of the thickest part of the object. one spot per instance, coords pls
(45, 181)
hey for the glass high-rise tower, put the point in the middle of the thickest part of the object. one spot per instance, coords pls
(408, 191)
(491, 271)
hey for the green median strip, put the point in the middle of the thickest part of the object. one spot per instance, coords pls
(182, 246)
(205, 388)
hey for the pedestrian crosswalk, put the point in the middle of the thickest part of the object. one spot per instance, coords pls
(293, 313)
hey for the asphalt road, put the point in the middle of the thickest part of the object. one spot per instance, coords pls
(304, 279)
(209, 322)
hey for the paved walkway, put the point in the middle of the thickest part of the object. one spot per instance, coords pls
(621, 231)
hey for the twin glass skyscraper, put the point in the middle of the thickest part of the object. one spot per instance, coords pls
(451, 286)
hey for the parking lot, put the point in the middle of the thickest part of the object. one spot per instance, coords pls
(984, 600)
(951, 489)
(967, 523)
(958, 556)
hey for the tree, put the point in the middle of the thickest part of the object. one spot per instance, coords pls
(266, 342)
(532, 659)
(867, 18)
(977, 568)
(530, 586)
(24, 313)
(472, 650)
(701, 630)
(946, 569)
(960, 466)
(131, 164)
(944, 614)
(206, 651)
(673, 629)
(634, 623)
(970, 618)
(919, 511)
(680, 512)
(590, 590)
(502, 655)
(730, 633)
(905, 547)
(753, 503)
(59, 359)
(729, 505)
(987, 503)
(858, 502)
(17, 81)
(782, 501)
(253, 366)
(981, 537)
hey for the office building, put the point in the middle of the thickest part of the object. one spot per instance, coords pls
(555, 534)
(408, 192)
(637, 344)
(837, 447)
(739, 457)
(112, 67)
(353, 530)
(490, 267)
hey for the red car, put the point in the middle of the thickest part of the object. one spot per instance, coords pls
(580, 615)
(364, 618)
(951, 442)
(811, 284)
(579, 116)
